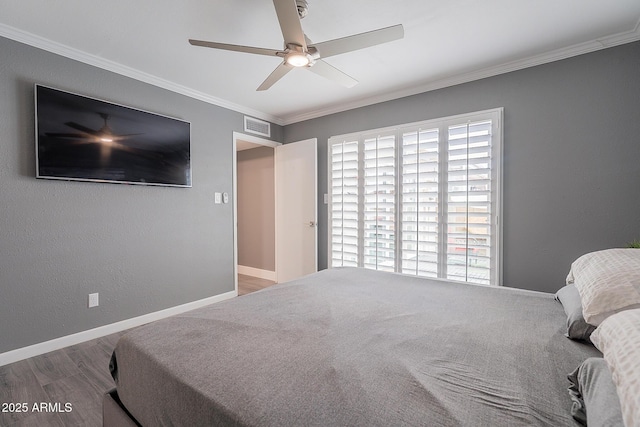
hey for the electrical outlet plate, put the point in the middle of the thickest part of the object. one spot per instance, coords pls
(93, 300)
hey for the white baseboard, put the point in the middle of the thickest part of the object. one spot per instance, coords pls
(256, 272)
(58, 343)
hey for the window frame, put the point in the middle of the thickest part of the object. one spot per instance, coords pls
(442, 124)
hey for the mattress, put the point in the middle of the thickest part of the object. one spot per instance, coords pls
(359, 348)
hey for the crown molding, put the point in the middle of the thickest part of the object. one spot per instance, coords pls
(105, 64)
(545, 58)
(287, 119)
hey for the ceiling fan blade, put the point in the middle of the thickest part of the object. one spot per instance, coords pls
(287, 12)
(235, 47)
(124, 136)
(276, 75)
(83, 129)
(330, 72)
(359, 41)
(65, 135)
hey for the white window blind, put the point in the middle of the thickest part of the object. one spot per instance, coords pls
(379, 171)
(468, 207)
(420, 199)
(344, 212)
(419, 202)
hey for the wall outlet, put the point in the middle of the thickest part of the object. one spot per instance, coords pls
(93, 300)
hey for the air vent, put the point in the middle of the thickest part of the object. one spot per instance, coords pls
(257, 127)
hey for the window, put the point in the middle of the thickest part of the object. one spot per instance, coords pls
(420, 199)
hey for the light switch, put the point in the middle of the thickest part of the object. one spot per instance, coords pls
(218, 198)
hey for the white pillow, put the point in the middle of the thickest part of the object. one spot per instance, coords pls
(608, 282)
(618, 338)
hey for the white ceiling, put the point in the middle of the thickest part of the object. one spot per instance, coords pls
(446, 42)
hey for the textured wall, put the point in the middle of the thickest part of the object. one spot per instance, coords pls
(142, 248)
(571, 156)
(256, 208)
(571, 174)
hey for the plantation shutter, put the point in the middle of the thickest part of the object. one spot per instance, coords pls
(379, 202)
(344, 204)
(419, 202)
(468, 206)
(421, 199)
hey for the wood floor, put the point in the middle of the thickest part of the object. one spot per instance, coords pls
(69, 382)
(76, 375)
(248, 284)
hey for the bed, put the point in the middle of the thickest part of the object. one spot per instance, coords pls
(353, 347)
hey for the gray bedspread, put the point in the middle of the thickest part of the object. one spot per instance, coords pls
(354, 347)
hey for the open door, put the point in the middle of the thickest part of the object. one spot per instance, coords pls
(296, 209)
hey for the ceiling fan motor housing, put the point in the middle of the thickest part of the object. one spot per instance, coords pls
(303, 8)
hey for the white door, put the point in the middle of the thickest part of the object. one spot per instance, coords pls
(296, 209)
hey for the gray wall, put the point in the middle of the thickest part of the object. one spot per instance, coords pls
(256, 208)
(571, 175)
(142, 248)
(571, 156)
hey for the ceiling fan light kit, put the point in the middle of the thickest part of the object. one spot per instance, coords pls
(297, 59)
(297, 56)
(300, 52)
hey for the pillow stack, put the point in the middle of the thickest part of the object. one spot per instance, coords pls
(602, 303)
(618, 338)
(577, 327)
(608, 282)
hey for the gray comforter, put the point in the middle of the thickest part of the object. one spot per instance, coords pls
(353, 347)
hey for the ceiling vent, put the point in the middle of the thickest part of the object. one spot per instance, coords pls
(257, 127)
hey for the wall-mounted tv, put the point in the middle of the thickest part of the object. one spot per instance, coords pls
(85, 139)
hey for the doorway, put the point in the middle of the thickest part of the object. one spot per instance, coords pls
(254, 203)
(295, 190)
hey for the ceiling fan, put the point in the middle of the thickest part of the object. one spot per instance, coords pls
(300, 52)
(104, 135)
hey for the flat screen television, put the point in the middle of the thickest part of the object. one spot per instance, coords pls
(85, 139)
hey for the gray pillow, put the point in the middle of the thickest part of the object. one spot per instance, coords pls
(577, 327)
(594, 398)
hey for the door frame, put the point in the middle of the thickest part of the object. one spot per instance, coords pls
(254, 140)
